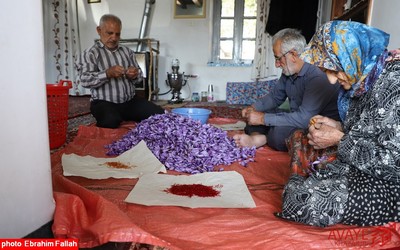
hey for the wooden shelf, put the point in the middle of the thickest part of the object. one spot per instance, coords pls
(358, 11)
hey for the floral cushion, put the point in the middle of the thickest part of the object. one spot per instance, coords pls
(247, 92)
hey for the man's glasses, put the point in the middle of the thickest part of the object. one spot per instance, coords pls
(278, 58)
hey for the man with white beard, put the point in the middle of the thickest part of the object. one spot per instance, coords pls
(304, 85)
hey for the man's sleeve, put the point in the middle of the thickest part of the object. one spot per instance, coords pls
(272, 100)
(89, 75)
(317, 94)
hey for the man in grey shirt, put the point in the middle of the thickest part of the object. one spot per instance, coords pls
(304, 85)
(111, 71)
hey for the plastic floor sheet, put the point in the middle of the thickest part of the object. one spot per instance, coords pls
(94, 211)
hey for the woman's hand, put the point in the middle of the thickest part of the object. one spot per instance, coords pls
(319, 119)
(324, 132)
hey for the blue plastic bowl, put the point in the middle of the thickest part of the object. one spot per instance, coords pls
(194, 113)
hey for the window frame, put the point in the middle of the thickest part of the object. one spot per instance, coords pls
(237, 35)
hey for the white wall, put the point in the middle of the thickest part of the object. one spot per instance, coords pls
(385, 16)
(25, 182)
(189, 40)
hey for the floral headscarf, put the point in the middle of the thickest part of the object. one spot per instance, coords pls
(354, 48)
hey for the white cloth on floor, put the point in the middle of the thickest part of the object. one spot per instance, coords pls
(133, 163)
(230, 187)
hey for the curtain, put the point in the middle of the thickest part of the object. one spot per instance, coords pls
(61, 36)
(264, 61)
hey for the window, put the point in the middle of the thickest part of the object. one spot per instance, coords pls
(234, 32)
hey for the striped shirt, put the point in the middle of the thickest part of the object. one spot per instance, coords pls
(92, 65)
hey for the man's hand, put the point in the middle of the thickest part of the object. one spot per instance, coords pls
(132, 73)
(115, 72)
(246, 111)
(252, 116)
(255, 118)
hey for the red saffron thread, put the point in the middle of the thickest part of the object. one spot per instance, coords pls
(192, 190)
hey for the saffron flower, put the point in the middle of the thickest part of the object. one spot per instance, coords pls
(183, 144)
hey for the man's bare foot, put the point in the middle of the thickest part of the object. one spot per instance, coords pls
(245, 140)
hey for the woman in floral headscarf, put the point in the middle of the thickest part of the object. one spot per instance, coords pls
(362, 186)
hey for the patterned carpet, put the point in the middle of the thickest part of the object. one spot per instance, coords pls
(78, 106)
(78, 114)
(218, 109)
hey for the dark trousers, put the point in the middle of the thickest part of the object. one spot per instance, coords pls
(276, 136)
(110, 115)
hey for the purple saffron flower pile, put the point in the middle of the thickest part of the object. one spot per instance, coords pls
(183, 144)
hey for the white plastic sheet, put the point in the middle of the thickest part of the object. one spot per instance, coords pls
(139, 160)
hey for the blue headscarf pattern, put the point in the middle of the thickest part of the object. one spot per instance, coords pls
(354, 48)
